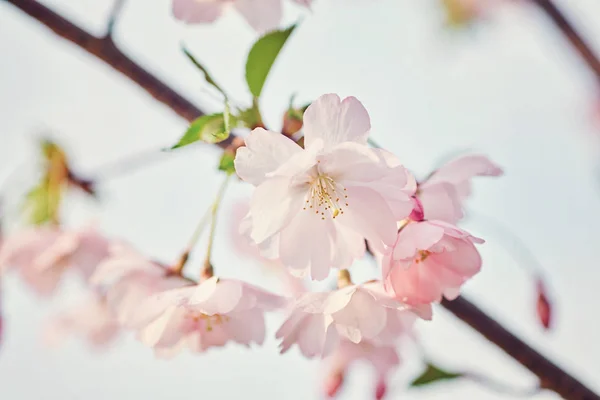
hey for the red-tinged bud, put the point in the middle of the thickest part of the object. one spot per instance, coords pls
(544, 308)
(417, 214)
(380, 390)
(333, 383)
(292, 122)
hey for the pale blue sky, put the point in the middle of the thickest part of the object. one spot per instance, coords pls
(510, 88)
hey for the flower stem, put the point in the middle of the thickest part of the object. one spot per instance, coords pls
(178, 267)
(208, 269)
(373, 143)
(344, 278)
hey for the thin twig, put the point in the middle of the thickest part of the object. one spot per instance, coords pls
(115, 12)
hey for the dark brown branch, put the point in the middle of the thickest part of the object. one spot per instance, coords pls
(106, 50)
(551, 376)
(576, 40)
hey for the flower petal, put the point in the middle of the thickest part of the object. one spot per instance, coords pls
(263, 15)
(336, 121)
(193, 12)
(265, 151)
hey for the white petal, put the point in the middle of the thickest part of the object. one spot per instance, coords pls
(336, 122)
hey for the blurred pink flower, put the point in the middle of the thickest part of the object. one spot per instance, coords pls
(208, 315)
(261, 15)
(443, 193)
(357, 313)
(128, 278)
(384, 359)
(43, 254)
(91, 319)
(313, 207)
(430, 259)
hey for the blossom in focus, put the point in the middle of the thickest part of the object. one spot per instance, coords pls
(207, 315)
(43, 254)
(383, 359)
(443, 194)
(261, 15)
(91, 319)
(430, 259)
(128, 277)
(318, 322)
(314, 207)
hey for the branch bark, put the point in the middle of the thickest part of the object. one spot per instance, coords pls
(550, 375)
(575, 39)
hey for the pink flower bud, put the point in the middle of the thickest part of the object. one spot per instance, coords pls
(380, 390)
(333, 383)
(417, 213)
(544, 308)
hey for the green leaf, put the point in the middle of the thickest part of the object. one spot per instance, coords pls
(213, 128)
(209, 79)
(262, 57)
(226, 163)
(434, 374)
(42, 203)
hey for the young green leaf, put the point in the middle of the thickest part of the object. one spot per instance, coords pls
(208, 128)
(434, 374)
(262, 57)
(226, 163)
(42, 203)
(209, 79)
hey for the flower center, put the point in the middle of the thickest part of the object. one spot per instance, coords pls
(326, 196)
(422, 256)
(207, 321)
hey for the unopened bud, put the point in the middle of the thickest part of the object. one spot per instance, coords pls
(333, 383)
(344, 278)
(417, 214)
(380, 390)
(292, 121)
(544, 308)
(207, 271)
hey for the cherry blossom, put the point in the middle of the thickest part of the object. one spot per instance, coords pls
(207, 315)
(430, 259)
(443, 194)
(313, 207)
(357, 313)
(261, 15)
(128, 278)
(43, 254)
(383, 359)
(91, 319)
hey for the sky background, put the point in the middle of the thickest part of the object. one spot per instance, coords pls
(510, 88)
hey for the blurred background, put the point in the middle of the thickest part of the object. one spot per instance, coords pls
(507, 85)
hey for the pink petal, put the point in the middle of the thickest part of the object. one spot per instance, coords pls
(262, 15)
(416, 236)
(265, 151)
(440, 201)
(194, 11)
(273, 206)
(216, 296)
(336, 121)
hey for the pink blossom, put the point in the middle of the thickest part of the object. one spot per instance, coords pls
(430, 259)
(43, 254)
(443, 194)
(91, 319)
(357, 313)
(128, 278)
(313, 207)
(208, 315)
(383, 359)
(261, 15)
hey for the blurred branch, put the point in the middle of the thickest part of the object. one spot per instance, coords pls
(551, 376)
(567, 29)
(105, 49)
(501, 387)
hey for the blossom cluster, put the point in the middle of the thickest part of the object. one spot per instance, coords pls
(315, 208)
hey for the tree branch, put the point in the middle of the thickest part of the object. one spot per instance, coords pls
(551, 376)
(105, 49)
(576, 40)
